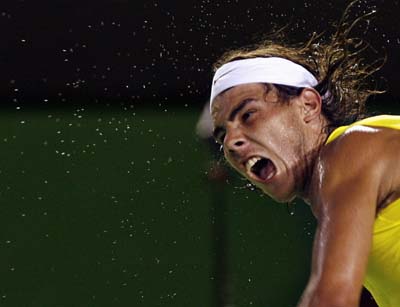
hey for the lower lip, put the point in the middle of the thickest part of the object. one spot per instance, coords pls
(270, 177)
(271, 168)
(267, 180)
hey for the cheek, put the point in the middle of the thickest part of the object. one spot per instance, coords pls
(284, 137)
(231, 162)
(227, 157)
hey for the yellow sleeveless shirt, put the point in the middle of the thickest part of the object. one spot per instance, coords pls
(383, 272)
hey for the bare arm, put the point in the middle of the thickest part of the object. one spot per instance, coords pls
(345, 206)
(340, 252)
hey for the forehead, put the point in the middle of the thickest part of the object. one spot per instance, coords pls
(229, 99)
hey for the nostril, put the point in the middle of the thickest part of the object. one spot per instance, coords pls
(239, 143)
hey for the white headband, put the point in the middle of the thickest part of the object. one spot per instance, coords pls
(260, 70)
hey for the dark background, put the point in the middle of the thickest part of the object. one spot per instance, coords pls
(105, 191)
(158, 52)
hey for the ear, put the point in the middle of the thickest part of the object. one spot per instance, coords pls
(311, 104)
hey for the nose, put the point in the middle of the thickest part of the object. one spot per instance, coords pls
(234, 141)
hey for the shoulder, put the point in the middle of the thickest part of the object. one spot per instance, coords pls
(359, 143)
(358, 161)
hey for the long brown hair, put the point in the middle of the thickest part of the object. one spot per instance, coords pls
(345, 80)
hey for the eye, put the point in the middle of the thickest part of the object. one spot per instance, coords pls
(220, 138)
(219, 135)
(246, 115)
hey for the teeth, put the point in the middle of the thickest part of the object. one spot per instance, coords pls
(250, 163)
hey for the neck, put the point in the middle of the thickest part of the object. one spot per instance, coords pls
(311, 157)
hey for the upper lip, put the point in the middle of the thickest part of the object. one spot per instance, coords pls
(243, 162)
(249, 174)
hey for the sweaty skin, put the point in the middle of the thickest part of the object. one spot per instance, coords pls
(346, 182)
(250, 121)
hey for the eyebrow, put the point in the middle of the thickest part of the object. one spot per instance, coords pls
(237, 109)
(232, 115)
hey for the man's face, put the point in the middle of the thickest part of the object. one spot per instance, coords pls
(262, 137)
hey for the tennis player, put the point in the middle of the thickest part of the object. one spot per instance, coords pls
(291, 120)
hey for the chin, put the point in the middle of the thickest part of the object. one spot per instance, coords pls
(280, 196)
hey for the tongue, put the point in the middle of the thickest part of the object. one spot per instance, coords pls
(267, 170)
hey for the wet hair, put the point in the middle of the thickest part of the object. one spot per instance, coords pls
(345, 79)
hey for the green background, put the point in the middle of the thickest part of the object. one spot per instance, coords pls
(104, 206)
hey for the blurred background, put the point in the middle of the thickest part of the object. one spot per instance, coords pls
(108, 196)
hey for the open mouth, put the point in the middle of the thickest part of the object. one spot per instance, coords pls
(262, 168)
